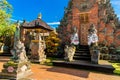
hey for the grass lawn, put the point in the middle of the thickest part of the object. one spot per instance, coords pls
(48, 61)
(117, 68)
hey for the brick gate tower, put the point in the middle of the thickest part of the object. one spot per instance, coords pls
(82, 13)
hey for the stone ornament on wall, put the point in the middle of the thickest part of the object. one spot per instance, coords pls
(85, 5)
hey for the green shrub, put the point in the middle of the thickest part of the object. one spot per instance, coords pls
(117, 68)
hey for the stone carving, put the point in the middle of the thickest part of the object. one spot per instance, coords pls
(69, 52)
(17, 33)
(85, 5)
(95, 54)
(37, 49)
(92, 42)
(92, 35)
(18, 52)
(18, 67)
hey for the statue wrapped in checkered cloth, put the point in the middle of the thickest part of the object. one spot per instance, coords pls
(74, 37)
(92, 35)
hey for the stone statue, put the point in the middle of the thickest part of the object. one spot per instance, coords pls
(17, 32)
(18, 51)
(92, 35)
(92, 42)
(66, 52)
(18, 67)
(42, 52)
(74, 37)
(69, 52)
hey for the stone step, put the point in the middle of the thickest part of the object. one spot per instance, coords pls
(82, 54)
(5, 54)
(86, 65)
(82, 50)
(82, 58)
(84, 46)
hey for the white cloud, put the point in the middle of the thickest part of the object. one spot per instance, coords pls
(53, 23)
(14, 20)
(115, 2)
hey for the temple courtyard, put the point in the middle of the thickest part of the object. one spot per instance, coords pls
(80, 43)
(43, 72)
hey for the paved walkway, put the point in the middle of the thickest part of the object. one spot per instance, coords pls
(42, 72)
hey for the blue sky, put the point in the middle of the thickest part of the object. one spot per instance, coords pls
(52, 10)
(116, 6)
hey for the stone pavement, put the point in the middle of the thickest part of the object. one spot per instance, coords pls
(42, 72)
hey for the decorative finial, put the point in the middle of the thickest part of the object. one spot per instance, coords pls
(39, 16)
(18, 23)
(24, 21)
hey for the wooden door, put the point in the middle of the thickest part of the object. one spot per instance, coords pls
(83, 28)
(84, 34)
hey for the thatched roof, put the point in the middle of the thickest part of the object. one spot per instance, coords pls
(38, 23)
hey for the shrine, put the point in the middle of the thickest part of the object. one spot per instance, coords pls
(33, 35)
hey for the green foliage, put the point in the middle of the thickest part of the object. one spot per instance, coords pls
(52, 43)
(103, 48)
(3, 18)
(6, 28)
(5, 6)
(5, 13)
(117, 49)
(11, 63)
(6, 33)
(117, 68)
(48, 61)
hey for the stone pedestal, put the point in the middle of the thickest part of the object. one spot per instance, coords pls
(37, 52)
(15, 70)
(19, 66)
(95, 56)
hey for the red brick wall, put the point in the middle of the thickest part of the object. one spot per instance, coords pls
(116, 39)
(93, 18)
(105, 30)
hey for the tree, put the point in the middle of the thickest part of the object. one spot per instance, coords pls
(5, 12)
(6, 28)
(5, 6)
(52, 43)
